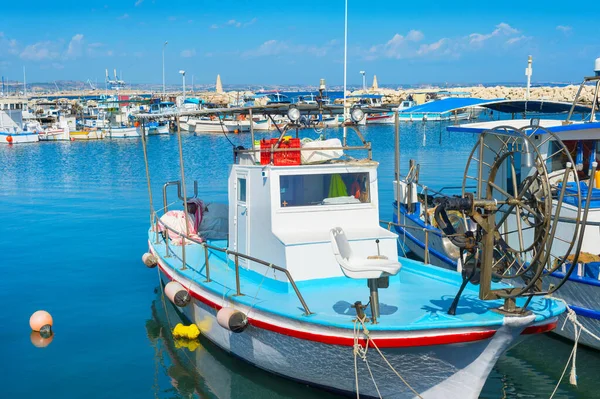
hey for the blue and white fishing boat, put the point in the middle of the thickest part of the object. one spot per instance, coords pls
(165, 109)
(279, 274)
(14, 131)
(571, 148)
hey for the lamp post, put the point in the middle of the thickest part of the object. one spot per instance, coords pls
(182, 72)
(163, 65)
(364, 83)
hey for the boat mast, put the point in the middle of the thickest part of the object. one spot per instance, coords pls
(345, 62)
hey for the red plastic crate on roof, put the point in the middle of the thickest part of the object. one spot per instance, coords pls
(280, 158)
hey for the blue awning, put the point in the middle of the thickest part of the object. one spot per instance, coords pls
(447, 105)
(537, 106)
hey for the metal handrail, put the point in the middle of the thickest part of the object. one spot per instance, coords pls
(366, 145)
(236, 255)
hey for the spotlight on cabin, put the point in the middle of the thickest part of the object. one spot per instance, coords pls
(357, 114)
(293, 114)
(322, 84)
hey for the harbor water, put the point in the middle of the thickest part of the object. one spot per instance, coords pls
(75, 216)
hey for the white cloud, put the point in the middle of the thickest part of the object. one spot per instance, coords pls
(397, 47)
(139, 3)
(433, 47)
(235, 23)
(75, 47)
(171, 18)
(276, 48)
(517, 39)
(502, 29)
(251, 22)
(7, 45)
(188, 53)
(270, 47)
(124, 16)
(214, 26)
(415, 36)
(412, 44)
(40, 51)
(567, 30)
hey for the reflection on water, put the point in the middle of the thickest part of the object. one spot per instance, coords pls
(200, 369)
(73, 226)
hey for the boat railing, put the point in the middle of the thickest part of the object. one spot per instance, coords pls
(207, 247)
(274, 147)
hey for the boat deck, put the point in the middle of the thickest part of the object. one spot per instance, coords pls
(417, 298)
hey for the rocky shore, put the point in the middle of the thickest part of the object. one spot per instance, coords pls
(565, 93)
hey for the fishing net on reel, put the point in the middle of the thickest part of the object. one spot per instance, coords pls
(521, 178)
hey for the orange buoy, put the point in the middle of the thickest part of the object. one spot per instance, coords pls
(40, 341)
(40, 319)
(136, 124)
(236, 131)
(9, 139)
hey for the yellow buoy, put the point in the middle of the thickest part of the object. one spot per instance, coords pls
(186, 332)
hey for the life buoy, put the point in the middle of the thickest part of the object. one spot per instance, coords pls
(242, 117)
(9, 139)
(212, 117)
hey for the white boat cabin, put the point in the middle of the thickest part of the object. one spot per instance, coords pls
(284, 214)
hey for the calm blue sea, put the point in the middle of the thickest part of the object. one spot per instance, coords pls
(74, 221)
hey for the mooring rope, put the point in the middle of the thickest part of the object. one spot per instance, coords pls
(361, 352)
(578, 328)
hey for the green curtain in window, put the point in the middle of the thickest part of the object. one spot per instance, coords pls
(337, 187)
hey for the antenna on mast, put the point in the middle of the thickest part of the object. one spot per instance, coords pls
(528, 73)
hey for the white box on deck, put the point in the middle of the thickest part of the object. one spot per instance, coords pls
(320, 156)
(401, 188)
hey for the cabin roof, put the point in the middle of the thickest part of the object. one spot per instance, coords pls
(448, 105)
(553, 125)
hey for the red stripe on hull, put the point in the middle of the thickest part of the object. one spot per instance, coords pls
(400, 342)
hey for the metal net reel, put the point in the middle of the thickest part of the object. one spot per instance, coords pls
(521, 178)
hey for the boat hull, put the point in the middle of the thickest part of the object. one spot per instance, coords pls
(584, 299)
(55, 135)
(19, 138)
(215, 126)
(380, 119)
(122, 133)
(95, 134)
(325, 358)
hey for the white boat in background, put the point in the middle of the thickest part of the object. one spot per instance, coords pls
(59, 131)
(155, 128)
(85, 134)
(122, 132)
(14, 131)
(217, 125)
(262, 124)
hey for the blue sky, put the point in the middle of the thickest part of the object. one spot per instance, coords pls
(289, 42)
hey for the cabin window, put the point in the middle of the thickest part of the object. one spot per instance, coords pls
(582, 151)
(241, 189)
(324, 189)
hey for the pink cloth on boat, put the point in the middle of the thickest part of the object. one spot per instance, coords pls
(177, 220)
